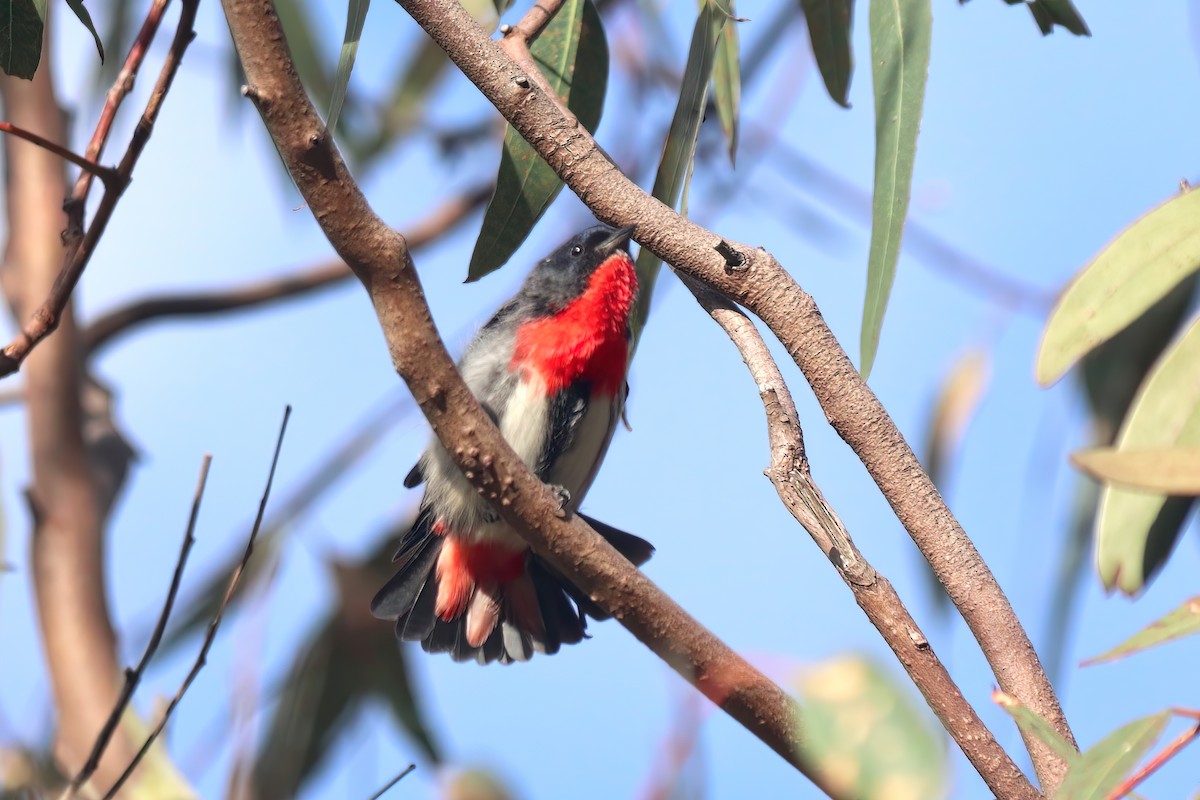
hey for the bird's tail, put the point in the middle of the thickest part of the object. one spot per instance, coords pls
(484, 601)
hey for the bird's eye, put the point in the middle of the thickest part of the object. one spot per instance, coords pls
(576, 250)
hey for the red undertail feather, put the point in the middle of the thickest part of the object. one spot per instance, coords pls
(470, 578)
(587, 339)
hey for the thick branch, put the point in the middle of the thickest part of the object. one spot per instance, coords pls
(191, 304)
(789, 472)
(380, 258)
(761, 284)
(67, 558)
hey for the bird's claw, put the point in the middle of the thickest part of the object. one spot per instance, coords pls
(563, 494)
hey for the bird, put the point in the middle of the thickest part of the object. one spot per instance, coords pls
(550, 369)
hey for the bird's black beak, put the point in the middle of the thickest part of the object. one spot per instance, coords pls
(619, 239)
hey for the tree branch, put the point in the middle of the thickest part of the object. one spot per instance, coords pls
(380, 258)
(46, 317)
(762, 285)
(89, 167)
(190, 304)
(789, 472)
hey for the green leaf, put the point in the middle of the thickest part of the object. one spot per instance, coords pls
(865, 735)
(356, 17)
(1141, 266)
(1048, 13)
(310, 64)
(1137, 529)
(573, 56)
(1183, 621)
(900, 38)
(674, 169)
(1032, 724)
(1173, 470)
(727, 83)
(21, 26)
(82, 13)
(1104, 765)
(829, 29)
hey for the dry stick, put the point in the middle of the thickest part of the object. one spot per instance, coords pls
(380, 258)
(393, 782)
(756, 280)
(188, 304)
(46, 317)
(211, 635)
(1168, 752)
(134, 676)
(789, 472)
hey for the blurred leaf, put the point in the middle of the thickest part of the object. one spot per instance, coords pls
(155, 776)
(727, 82)
(310, 64)
(1103, 766)
(829, 29)
(867, 738)
(356, 17)
(957, 401)
(1032, 724)
(1183, 621)
(501, 6)
(117, 32)
(21, 24)
(573, 56)
(1136, 530)
(82, 13)
(476, 784)
(403, 108)
(680, 148)
(1173, 471)
(1141, 266)
(1048, 13)
(900, 39)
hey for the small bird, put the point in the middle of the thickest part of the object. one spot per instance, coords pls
(549, 368)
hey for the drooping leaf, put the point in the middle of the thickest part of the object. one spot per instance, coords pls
(82, 13)
(21, 26)
(1048, 13)
(674, 168)
(865, 735)
(900, 39)
(1136, 529)
(727, 83)
(356, 17)
(118, 30)
(156, 775)
(1173, 470)
(1183, 621)
(1137, 269)
(1030, 723)
(572, 54)
(1103, 766)
(829, 29)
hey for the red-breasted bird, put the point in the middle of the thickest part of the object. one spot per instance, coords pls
(550, 370)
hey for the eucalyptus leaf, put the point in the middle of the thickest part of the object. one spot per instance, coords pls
(829, 30)
(1183, 621)
(572, 54)
(82, 14)
(1103, 766)
(21, 25)
(900, 39)
(727, 83)
(356, 17)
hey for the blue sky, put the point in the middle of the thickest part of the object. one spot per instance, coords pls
(1033, 153)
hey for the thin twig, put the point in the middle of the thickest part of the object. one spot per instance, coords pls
(1168, 752)
(393, 782)
(768, 291)
(190, 304)
(46, 317)
(134, 676)
(790, 474)
(105, 174)
(211, 635)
